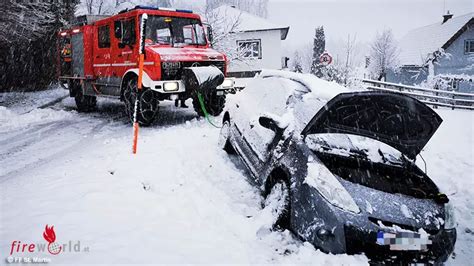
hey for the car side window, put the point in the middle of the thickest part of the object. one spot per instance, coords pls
(104, 36)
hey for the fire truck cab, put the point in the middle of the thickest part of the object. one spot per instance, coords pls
(99, 57)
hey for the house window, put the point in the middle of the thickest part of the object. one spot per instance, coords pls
(250, 48)
(468, 46)
(104, 37)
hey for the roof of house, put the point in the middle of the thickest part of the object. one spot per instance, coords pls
(249, 22)
(418, 44)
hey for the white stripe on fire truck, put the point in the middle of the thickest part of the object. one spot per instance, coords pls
(123, 64)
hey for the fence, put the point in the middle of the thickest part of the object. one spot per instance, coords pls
(433, 97)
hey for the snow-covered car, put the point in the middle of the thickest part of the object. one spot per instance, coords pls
(337, 167)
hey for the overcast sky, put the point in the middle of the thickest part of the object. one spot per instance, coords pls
(363, 17)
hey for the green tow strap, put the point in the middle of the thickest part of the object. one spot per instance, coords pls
(203, 107)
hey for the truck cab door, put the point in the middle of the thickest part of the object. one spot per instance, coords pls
(102, 51)
(124, 43)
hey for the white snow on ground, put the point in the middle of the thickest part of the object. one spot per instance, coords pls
(180, 200)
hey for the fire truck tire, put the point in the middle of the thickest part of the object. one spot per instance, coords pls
(85, 103)
(148, 105)
(213, 103)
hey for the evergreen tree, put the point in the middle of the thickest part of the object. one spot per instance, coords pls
(319, 46)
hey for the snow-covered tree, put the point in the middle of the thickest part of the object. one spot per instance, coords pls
(256, 7)
(319, 45)
(28, 32)
(383, 54)
(224, 26)
(297, 62)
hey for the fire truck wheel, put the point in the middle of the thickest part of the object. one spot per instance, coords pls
(85, 103)
(213, 103)
(148, 104)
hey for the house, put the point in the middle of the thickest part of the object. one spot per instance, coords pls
(444, 50)
(256, 42)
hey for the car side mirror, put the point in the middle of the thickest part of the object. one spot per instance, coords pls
(270, 123)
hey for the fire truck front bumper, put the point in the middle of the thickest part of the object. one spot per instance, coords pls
(178, 86)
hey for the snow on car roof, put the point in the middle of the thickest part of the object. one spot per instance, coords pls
(320, 88)
(417, 44)
(247, 21)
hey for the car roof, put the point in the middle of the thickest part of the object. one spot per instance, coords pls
(319, 88)
(305, 94)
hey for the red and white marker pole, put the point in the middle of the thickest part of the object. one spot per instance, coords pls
(141, 60)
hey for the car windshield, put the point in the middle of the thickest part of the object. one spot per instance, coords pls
(175, 31)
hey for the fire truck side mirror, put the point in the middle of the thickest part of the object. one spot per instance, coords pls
(209, 33)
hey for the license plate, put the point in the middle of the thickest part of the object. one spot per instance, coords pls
(404, 240)
(220, 93)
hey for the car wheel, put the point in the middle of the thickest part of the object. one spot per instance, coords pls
(213, 103)
(278, 200)
(224, 142)
(84, 103)
(148, 104)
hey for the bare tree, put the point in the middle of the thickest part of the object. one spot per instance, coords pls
(383, 54)
(224, 27)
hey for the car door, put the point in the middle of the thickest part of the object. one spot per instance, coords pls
(268, 96)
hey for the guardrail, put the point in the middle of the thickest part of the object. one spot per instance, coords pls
(433, 97)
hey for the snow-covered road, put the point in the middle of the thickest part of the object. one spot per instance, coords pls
(180, 200)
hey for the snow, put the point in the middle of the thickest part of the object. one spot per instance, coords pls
(406, 212)
(417, 44)
(181, 199)
(319, 88)
(204, 74)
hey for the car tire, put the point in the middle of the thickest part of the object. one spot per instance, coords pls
(224, 142)
(213, 103)
(148, 104)
(84, 103)
(277, 197)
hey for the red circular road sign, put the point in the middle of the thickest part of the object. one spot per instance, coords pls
(325, 59)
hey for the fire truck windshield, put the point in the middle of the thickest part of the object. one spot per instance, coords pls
(175, 31)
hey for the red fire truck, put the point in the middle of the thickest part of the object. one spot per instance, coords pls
(99, 57)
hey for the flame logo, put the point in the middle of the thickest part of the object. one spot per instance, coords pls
(50, 236)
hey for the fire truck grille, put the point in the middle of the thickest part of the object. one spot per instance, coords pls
(175, 74)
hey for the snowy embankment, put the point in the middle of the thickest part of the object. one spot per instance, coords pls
(180, 200)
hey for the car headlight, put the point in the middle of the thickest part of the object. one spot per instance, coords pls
(228, 83)
(449, 221)
(329, 187)
(170, 86)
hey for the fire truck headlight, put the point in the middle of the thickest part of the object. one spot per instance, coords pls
(228, 83)
(171, 86)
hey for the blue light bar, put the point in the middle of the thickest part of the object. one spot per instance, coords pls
(162, 9)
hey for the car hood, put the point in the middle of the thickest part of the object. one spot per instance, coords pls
(400, 121)
(386, 209)
(188, 53)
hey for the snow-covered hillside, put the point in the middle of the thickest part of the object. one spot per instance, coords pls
(180, 200)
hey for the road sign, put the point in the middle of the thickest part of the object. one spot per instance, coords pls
(325, 59)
